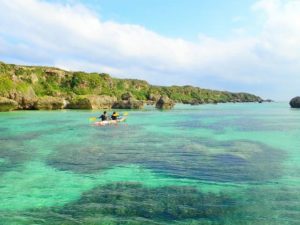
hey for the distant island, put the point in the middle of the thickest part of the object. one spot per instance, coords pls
(48, 88)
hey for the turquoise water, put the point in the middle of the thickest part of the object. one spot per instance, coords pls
(207, 164)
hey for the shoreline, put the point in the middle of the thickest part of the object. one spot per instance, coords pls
(38, 88)
(146, 108)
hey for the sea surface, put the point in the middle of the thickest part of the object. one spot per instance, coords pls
(207, 164)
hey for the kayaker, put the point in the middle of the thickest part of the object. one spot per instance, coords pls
(114, 116)
(103, 117)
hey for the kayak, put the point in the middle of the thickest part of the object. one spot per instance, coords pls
(109, 122)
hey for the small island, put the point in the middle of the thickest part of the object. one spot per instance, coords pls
(48, 88)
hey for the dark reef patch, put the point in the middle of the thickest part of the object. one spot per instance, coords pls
(3, 130)
(232, 161)
(179, 156)
(20, 137)
(104, 148)
(12, 155)
(135, 204)
(132, 203)
(86, 159)
(201, 159)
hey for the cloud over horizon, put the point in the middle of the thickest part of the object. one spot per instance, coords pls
(71, 36)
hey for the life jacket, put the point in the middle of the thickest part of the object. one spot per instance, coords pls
(114, 116)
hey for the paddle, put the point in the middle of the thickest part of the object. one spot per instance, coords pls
(91, 119)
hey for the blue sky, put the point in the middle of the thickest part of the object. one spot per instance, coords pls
(179, 18)
(248, 46)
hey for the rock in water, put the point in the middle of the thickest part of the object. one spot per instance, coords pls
(7, 104)
(295, 102)
(165, 103)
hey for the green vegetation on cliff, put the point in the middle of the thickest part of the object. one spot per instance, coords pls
(48, 81)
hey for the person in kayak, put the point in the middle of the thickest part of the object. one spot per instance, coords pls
(104, 116)
(114, 116)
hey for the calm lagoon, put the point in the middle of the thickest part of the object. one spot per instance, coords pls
(206, 164)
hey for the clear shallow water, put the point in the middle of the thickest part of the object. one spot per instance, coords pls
(208, 164)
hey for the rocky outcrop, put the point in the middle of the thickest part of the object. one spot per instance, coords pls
(193, 102)
(127, 96)
(154, 97)
(28, 99)
(49, 103)
(92, 102)
(25, 99)
(295, 102)
(129, 104)
(265, 101)
(165, 103)
(7, 104)
(149, 102)
(79, 102)
(212, 101)
(268, 100)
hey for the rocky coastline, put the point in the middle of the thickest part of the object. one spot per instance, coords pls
(47, 88)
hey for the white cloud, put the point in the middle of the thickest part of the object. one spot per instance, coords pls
(74, 37)
(281, 34)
